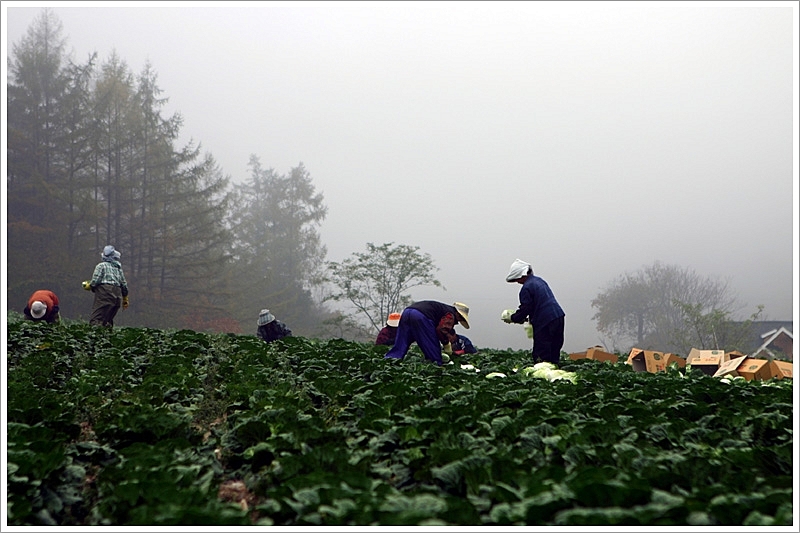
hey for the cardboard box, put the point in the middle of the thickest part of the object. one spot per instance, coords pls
(728, 368)
(599, 355)
(577, 355)
(752, 369)
(746, 367)
(707, 361)
(781, 369)
(707, 365)
(652, 361)
(595, 353)
(707, 354)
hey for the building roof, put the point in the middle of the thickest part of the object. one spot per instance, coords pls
(759, 328)
(777, 344)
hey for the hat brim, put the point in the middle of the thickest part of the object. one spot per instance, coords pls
(463, 321)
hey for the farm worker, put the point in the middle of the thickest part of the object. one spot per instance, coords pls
(538, 306)
(463, 345)
(270, 328)
(109, 287)
(387, 335)
(429, 324)
(42, 305)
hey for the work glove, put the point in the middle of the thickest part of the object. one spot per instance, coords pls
(125, 302)
(506, 316)
(447, 348)
(86, 285)
(528, 329)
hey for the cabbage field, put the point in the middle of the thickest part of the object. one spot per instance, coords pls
(135, 427)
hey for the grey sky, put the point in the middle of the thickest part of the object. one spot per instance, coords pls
(589, 139)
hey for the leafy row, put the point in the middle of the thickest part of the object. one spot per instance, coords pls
(142, 427)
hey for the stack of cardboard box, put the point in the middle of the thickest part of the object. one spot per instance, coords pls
(717, 363)
(751, 369)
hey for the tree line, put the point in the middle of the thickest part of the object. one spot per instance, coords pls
(93, 160)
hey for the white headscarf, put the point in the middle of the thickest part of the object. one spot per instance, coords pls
(519, 268)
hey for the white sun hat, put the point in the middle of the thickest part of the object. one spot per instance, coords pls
(38, 309)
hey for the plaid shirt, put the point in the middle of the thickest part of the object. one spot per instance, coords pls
(109, 273)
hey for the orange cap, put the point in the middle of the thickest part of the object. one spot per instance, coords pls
(393, 320)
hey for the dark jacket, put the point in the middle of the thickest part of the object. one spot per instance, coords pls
(444, 318)
(273, 331)
(536, 304)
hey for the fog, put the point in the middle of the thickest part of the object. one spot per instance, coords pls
(589, 139)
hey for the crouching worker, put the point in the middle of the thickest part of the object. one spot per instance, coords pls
(388, 334)
(270, 328)
(462, 345)
(42, 305)
(429, 324)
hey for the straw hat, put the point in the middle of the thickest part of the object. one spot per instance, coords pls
(463, 310)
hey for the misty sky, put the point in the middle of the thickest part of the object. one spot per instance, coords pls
(589, 139)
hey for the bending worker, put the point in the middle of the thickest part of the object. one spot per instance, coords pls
(430, 325)
(387, 335)
(42, 305)
(538, 306)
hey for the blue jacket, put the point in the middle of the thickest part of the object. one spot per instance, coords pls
(463, 344)
(273, 331)
(536, 304)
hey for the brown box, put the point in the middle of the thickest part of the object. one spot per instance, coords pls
(746, 367)
(728, 368)
(707, 361)
(752, 369)
(781, 369)
(599, 355)
(577, 355)
(596, 353)
(652, 361)
(697, 354)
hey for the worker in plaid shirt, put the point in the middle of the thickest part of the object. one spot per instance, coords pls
(109, 287)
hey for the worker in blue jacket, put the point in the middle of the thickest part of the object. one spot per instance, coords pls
(462, 345)
(537, 305)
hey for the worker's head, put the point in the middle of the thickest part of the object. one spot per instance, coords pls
(519, 271)
(265, 317)
(38, 309)
(463, 312)
(393, 320)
